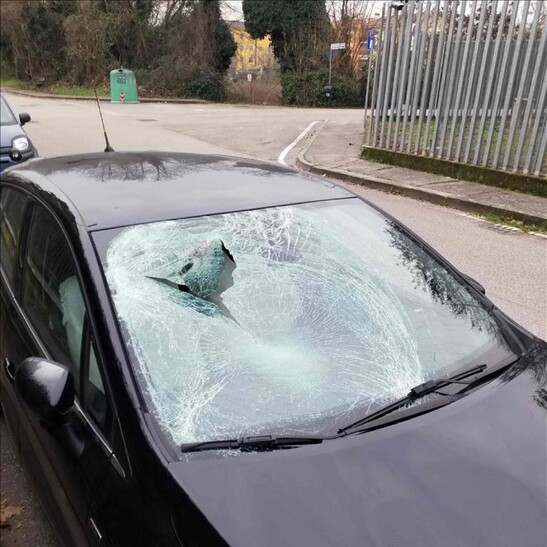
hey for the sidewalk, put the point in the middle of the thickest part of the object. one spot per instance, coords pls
(41, 95)
(334, 151)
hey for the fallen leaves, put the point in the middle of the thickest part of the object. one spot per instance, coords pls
(7, 512)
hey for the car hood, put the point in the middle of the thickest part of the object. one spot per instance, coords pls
(8, 133)
(470, 473)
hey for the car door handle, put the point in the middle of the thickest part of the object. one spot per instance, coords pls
(95, 530)
(10, 369)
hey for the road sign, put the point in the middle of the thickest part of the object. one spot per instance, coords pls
(333, 47)
(370, 40)
(122, 96)
(249, 77)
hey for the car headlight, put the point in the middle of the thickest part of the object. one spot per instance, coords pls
(21, 144)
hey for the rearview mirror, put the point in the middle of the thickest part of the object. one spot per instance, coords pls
(47, 388)
(24, 118)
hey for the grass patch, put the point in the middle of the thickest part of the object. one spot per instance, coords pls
(72, 91)
(508, 180)
(524, 226)
(14, 82)
(75, 91)
(421, 139)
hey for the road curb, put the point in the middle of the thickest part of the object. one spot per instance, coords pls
(433, 196)
(39, 95)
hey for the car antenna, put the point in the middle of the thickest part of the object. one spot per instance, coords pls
(108, 147)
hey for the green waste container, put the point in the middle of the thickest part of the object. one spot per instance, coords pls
(123, 86)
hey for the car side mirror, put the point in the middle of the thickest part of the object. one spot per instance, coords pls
(24, 118)
(47, 388)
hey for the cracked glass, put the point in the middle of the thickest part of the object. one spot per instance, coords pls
(289, 320)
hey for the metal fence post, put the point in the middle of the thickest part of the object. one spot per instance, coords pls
(520, 93)
(378, 76)
(410, 88)
(540, 158)
(529, 106)
(490, 84)
(485, 53)
(499, 87)
(425, 97)
(449, 75)
(541, 111)
(407, 41)
(436, 71)
(508, 95)
(419, 75)
(388, 78)
(395, 82)
(470, 81)
(462, 80)
(374, 98)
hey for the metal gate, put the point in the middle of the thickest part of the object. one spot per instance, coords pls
(464, 81)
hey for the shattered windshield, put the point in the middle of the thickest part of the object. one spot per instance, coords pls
(286, 320)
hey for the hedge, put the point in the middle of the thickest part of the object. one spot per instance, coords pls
(307, 89)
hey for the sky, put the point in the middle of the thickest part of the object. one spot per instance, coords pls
(232, 8)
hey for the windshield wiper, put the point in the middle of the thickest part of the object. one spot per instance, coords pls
(421, 390)
(257, 443)
(262, 443)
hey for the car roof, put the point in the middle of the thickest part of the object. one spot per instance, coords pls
(116, 189)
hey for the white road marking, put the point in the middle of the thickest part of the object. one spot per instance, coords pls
(504, 226)
(120, 114)
(283, 155)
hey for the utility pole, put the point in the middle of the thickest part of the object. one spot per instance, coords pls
(330, 65)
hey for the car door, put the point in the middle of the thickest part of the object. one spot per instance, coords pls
(13, 205)
(51, 320)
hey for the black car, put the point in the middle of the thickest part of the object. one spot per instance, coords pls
(15, 146)
(204, 350)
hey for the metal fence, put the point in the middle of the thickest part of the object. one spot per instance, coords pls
(462, 80)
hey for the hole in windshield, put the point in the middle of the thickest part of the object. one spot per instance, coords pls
(206, 274)
(290, 320)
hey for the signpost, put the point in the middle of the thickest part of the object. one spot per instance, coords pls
(371, 38)
(334, 47)
(250, 80)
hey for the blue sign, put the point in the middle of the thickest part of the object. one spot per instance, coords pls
(370, 40)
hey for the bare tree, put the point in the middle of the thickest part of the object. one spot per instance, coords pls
(351, 19)
(11, 16)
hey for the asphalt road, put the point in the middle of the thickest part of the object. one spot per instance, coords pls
(68, 127)
(511, 265)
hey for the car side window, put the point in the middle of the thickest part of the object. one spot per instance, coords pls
(12, 211)
(52, 298)
(96, 401)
